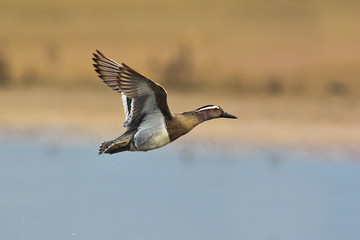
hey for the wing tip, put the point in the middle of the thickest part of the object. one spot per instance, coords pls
(97, 55)
(100, 53)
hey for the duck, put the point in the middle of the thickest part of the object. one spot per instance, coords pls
(148, 121)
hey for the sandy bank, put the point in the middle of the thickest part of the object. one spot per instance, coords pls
(264, 121)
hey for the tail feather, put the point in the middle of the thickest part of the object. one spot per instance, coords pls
(119, 144)
(105, 145)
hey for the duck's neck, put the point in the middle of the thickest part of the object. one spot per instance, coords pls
(181, 124)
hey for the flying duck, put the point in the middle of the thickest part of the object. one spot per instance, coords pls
(148, 119)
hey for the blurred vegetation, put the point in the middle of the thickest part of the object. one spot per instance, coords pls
(178, 70)
(4, 71)
(278, 47)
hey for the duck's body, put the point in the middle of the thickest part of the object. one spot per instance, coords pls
(149, 122)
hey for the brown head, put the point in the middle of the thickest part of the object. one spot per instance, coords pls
(212, 111)
(182, 123)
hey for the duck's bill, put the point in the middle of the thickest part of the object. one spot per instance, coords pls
(226, 115)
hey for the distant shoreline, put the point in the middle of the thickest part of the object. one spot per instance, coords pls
(94, 116)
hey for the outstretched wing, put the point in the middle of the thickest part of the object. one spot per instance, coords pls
(147, 95)
(109, 72)
(140, 95)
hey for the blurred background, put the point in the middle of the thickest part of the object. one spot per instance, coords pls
(290, 70)
(286, 169)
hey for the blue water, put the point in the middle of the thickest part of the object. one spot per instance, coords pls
(66, 191)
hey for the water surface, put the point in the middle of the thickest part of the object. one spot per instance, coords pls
(66, 191)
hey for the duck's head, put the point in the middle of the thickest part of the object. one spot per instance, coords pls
(213, 111)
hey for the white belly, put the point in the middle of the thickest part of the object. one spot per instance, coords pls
(151, 134)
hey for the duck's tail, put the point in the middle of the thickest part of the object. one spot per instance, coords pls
(105, 146)
(119, 144)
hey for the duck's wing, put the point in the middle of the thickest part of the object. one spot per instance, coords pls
(141, 96)
(109, 71)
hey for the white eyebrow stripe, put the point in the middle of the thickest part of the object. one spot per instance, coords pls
(206, 108)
